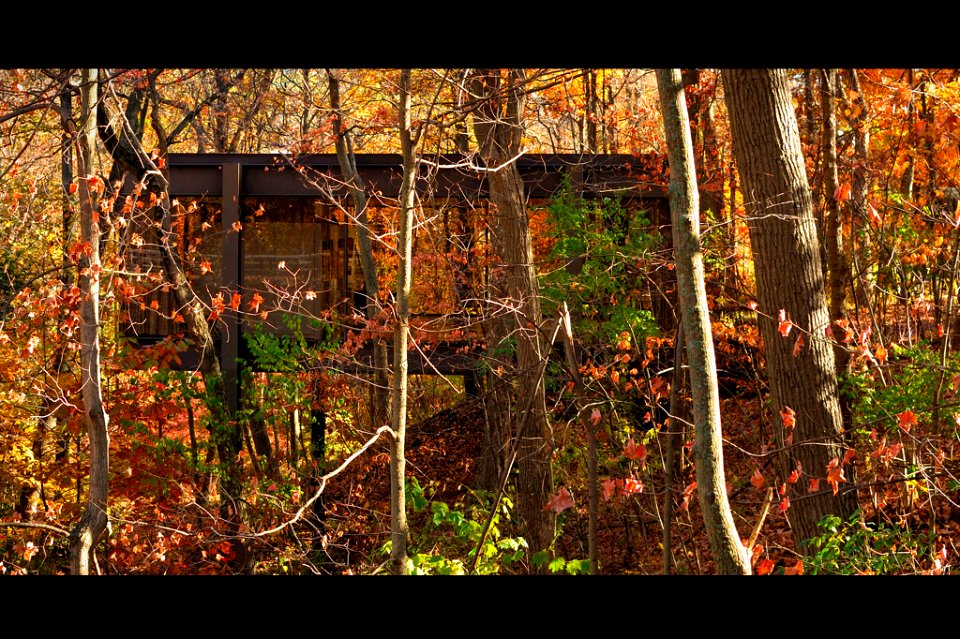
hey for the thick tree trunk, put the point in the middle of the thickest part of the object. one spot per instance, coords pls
(497, 125)
(93, 523)
(783, 237)
(729, 553)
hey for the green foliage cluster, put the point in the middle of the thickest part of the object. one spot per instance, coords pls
(853, 547)
(601, 249)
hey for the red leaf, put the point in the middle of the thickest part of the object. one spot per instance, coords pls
(560, 502)
(785, 325)
(632, 486)
(796, 570)
(635, 451)
(757, 480)
(814, 485)
(609, 489)
(73, 188)
(235, 301)
(794, 476)
(848, 456)
(798, 345)
(595, 417)
(254, 304)
(784, 504)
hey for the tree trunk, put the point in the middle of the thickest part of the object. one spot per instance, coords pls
(783, 237)
(833, 227)
(348, 166)
(398, 464)
(729, 553)
(498, 129)
(93, 523)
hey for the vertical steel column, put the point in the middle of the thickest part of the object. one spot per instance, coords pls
(231, 272)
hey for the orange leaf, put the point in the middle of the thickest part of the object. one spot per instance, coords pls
(595, 416)
(874, 216)
(843, 193)
(73, 188)
(796, 570)
(254, 304)
(789, 417)
(835, 474)
(765, 567)
(906, 419)
(784, 504)
(814, 485)
(757, 480)
(205, 267)
(881, 353)
(235, 301)
(794, 476)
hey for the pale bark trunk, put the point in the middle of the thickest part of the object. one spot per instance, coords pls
(498, 128)
(347, 161)
(398, 510)
(783, 236)
(729, 553)
(93, 523)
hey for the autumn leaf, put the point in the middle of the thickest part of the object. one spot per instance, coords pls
(632, 486)
(634, 451)
(843, 192)
(794, 476)
(609, 489)
(784, 504)
(835, 474)
(785, 325)
(874, 216)
(235, 300)
(789, 417)
(798, 345)
(797, 569)
(906, 419)
(205, 267)
(881, 353)
(560, 502)
(814, 485)
(73, 188)
(254, 304)
(765, 567)
(848, 456)
(595, 417)
(757, 480)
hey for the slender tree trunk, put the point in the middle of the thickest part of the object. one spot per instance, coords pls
(783, 236)
(93, 523)
(498, 127)
(860, 188)
(729, 553)
(833, 227)
(348, 167)
(398, 509)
